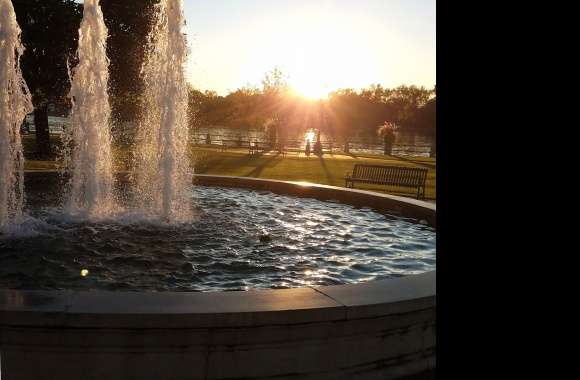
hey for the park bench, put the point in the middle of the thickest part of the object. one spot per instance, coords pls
(230, 144)
(259, 147)
(398, 176)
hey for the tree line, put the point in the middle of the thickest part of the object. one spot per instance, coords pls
(346, 113)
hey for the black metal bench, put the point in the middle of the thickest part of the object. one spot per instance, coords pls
(259, 147)
(389, 175)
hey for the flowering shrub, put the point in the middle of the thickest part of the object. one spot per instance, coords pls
(387, 132)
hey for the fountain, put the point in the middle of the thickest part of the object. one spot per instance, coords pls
(162, 174)
(87, 142)
(111, 294)
(15, 103)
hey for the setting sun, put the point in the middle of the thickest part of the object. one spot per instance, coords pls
(310, 90)
(323, 55)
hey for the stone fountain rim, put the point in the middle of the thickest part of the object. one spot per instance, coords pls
(97, 309)
(303, 184)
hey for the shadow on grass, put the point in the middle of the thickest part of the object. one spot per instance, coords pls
(329, 176)
(271, 161)
(212, 161)
(418, 163)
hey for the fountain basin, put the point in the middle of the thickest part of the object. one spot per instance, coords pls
(238, 239)
(380, 329)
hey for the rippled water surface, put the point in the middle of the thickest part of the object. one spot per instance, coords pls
(239, 240)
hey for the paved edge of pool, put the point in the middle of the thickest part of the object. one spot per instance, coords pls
(380, 329)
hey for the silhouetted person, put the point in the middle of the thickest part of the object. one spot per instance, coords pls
(318, 145)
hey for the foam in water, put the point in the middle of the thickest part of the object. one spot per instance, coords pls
(15, 103)
(88, 156)
(162, 174)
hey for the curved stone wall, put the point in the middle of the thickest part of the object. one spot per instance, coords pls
(377, 330)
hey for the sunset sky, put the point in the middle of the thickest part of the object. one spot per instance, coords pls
(321, 45)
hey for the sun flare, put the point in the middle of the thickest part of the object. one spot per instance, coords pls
(311, 89)
(322, 56)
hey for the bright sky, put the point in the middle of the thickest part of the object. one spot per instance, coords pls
(321, 45)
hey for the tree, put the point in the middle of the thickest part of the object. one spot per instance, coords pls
(206, 108)
(275, 81)
(350, 114)
(406, 101)
(427, 122)
(50, 36)
(128, 23)
(275, 99)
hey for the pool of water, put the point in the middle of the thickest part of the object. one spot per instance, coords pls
(238, 240)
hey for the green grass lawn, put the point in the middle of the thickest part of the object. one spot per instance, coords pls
(329, 169)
